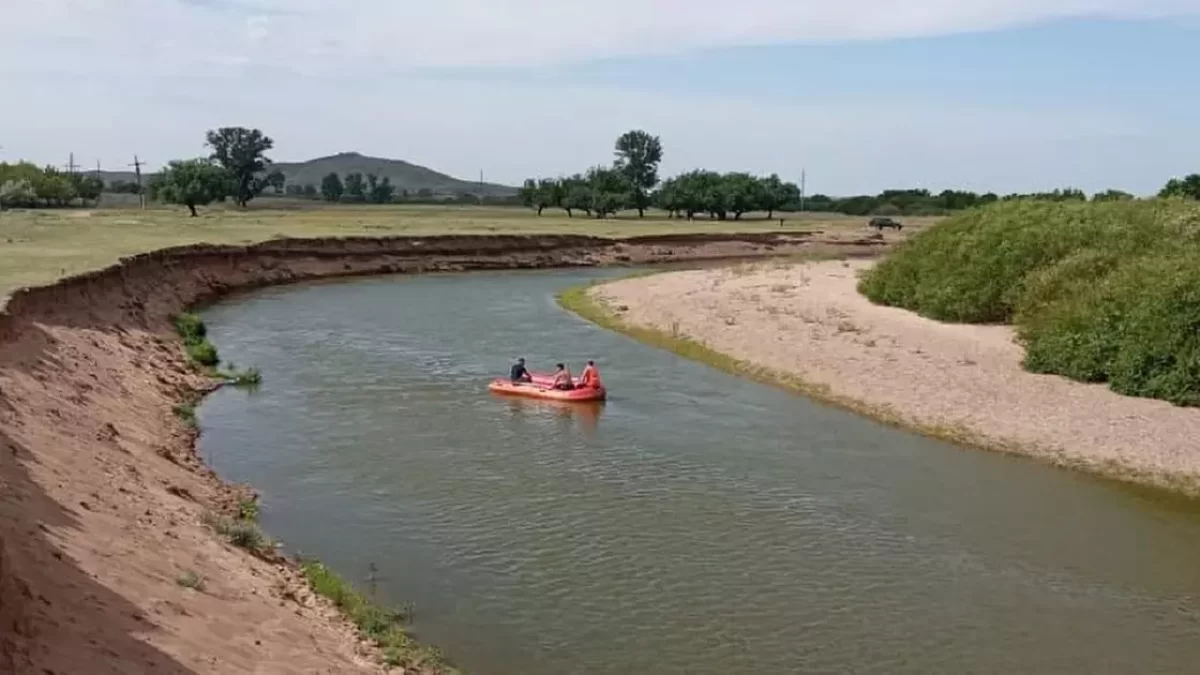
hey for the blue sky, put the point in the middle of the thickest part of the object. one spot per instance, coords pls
(1003, 95)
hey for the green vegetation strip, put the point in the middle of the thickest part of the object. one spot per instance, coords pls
(383, 627)
(1100, 292)
(581, 301)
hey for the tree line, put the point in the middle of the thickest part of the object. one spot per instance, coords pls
(25, 185)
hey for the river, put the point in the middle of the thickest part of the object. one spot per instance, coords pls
(696, 523)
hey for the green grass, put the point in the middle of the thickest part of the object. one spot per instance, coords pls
(40, 246)
(240, 532)
(194, 333)
(186, 412)
(1104, 292)
(383, 627)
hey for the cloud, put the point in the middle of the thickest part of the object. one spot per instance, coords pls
(327, 35)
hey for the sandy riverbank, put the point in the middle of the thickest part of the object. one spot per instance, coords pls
(959, 381)
(102, 494)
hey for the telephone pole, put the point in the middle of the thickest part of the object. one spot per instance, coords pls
(71, 165)
(137, 169)
(803, 176)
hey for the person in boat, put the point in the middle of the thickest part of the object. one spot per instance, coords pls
(590, 378)
(562, 378)
(518, 373)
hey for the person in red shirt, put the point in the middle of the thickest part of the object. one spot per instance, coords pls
(590, 377)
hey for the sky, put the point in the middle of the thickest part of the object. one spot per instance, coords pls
(861, 95)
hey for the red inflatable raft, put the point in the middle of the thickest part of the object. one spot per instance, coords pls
(540, 388)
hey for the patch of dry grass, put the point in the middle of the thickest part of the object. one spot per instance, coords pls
(40, 246)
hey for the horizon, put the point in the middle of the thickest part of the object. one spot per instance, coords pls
(1000, 96)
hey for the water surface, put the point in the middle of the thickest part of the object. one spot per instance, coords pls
(696, 523)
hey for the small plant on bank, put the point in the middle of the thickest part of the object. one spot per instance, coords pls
(251, 377)
(190, 579)
(195, 339)
(248, 510)
(382, 626)
(240, 532)
(186, 412)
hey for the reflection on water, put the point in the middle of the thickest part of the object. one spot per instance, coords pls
(708, 526)
(586, 414)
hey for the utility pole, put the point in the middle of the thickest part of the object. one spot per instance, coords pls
(137, 168)
(71, 165)
(481, 187)
(803, 176)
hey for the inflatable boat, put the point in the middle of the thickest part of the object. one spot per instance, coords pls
(540, 387)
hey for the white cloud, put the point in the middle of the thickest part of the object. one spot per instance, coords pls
(107, 78)
(330, 34)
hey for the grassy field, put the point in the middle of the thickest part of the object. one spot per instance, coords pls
(1106, 292)
(39, 246)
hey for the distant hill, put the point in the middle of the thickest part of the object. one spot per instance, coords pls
(404, 175)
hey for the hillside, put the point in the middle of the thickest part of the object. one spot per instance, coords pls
(404, 175)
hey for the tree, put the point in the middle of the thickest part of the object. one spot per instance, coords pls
(17, 193)
(742, 193)
(54, 187)
(192, 183)
(89, 188)
(1188, 187)
(310, 191)
(332, 188)
(1111, 196)
(576, 196)
(356, 187)
(638, 155)
(276, 180)
(381, 191)
(538, 194)
(241, 152)
(608, 191)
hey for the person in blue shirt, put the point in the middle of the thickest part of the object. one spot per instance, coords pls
(519, 373)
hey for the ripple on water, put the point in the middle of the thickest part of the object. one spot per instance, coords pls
(695, 524)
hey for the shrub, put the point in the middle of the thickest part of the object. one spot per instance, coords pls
(239, 532)
(1101, 292)
(186, 412)
(383, 627)
(203, 353)
(190, 327)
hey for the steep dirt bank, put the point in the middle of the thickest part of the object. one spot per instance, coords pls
(102, 494)
(964, 382)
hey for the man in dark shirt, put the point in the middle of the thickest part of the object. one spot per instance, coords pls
(518, 372)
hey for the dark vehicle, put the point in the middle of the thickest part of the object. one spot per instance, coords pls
(881, 224)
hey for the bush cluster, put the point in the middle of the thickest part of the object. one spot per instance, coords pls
(1098, 292)
(195, 339)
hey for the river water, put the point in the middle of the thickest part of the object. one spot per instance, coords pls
(697, 523)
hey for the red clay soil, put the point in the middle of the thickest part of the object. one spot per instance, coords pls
(101, 490)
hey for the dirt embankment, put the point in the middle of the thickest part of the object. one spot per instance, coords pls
(964, 382)
(101, 491)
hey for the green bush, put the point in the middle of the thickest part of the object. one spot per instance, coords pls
(1101, 292)
(190, 327)
(203, 353)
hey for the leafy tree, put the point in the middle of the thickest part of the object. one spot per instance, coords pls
(539, 194)
(332, 188)
(276, 180)
(669, 197)
(576, 195)
(89, 188)
(123, 187)
(241, 152)
(356, 187)
(774, 194)
(192, 183)
(381, 191)
(742, 193)
(17, 194)
(425, 193)
(54, 187)
(310, 191)
(638, 156)
(608, 191)
(1111, 196)
(1188, 187)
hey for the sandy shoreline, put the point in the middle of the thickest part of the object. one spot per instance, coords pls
(102, 494)
(958, 381)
